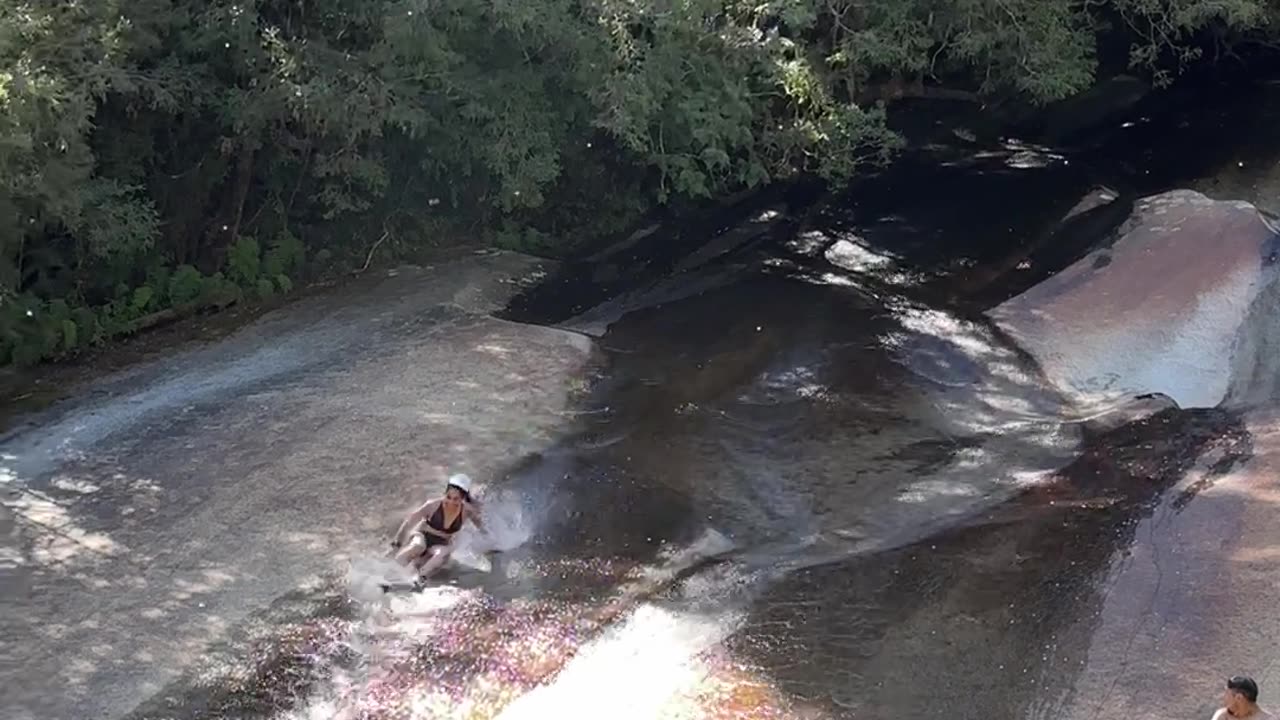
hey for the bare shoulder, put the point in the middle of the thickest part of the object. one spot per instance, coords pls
(1221, 714)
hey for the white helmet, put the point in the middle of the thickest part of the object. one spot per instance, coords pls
(460, 481)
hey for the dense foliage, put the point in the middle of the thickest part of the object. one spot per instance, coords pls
(160, 156)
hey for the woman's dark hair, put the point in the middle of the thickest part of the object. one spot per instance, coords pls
(465, 495)
(1245, 686)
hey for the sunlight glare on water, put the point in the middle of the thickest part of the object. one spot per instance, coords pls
(634, 671)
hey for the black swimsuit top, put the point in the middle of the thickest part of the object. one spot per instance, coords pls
(436, 521)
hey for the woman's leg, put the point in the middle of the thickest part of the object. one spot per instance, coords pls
(417, 546)
(439, 556)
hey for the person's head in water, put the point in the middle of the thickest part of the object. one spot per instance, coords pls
(1241, 697)
(458, 490)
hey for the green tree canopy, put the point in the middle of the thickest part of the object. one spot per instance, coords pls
(162, 154)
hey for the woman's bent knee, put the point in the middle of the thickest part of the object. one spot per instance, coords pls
(415, 547)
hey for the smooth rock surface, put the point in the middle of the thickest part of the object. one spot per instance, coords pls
(170, 503)
(1181, 304)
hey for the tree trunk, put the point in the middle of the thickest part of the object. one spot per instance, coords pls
(223, 227)
(302, 176)
(243, 178)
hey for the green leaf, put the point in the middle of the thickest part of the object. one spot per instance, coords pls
(142, 297)
(265, 289)
(70, 335)
(244, 261)
(185, 285)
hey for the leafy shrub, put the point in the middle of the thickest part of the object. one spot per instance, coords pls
(244, 261)
(265, 289)
(142, 297)
(70, 335)
(286, 256)
(157, 279)
(218, 291)
(87, 329)
(185, 285)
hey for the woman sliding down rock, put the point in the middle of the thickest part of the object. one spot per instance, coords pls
(430, 529)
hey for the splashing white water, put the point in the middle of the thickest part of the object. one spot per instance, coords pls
(507, 527)
(633, 670)
(638, 667)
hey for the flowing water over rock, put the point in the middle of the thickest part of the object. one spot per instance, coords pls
(733, 451)
(809, 477)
